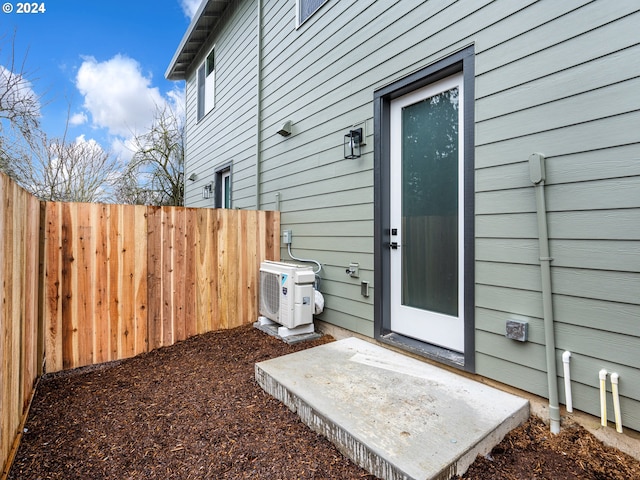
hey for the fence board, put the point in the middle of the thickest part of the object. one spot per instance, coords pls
(215, 280)
(30, 245)
(229, 318)
(68, 288)
(102, 338)
(221, 297)
(111, 324)
(52, 304)
(204, 270)
(190, 324)
(84, 259)
(178, 275)
(9, 365)
(167, 279)
(154, 277)
(139, 237)
(20, 352)
(126, 254)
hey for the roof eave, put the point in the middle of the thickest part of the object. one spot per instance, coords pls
(203, 24)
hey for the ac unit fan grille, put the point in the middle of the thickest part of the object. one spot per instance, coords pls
(270, 293)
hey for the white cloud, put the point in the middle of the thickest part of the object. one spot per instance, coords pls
(78, 118)
(117, 95)
(123, 149)
(190, 7)
(177, 101)
(91, 143)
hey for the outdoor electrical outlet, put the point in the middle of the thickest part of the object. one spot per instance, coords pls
(517, 330)
(354, 270)
(287, 236)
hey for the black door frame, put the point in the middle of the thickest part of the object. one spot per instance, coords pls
(461, 61)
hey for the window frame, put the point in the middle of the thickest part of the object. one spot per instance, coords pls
(206, 85)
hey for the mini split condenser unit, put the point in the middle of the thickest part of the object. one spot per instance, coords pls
(286, 293)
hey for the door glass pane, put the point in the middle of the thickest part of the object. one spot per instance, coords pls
(430, 204)
(226, 178)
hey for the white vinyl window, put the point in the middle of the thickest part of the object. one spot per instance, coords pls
(207, 85)
(306, 8)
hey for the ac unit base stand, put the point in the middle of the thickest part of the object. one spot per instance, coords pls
(301, 333)
(299, 330)
(265, 321)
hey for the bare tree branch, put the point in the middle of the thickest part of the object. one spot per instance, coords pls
(69, 171)
(19, 104)
(155, 174)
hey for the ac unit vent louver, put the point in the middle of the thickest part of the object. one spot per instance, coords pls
(269, 293)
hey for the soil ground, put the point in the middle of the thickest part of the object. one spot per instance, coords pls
(194, 411)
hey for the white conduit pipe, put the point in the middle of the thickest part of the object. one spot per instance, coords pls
(306, 260)
(603, 397)
(616, 401)
(566, 358)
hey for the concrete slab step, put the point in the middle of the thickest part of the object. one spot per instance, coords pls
(397, 417)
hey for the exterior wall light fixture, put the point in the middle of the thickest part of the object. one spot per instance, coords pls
(193, 177)
(207, 190)
(352, 142)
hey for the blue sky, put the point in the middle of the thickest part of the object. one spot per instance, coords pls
(103, 60)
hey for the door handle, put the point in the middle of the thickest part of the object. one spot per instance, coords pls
(393, 245)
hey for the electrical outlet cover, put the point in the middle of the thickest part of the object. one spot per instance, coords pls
(517, 330)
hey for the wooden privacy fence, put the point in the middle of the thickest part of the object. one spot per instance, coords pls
(20, 333)
(120, 280)
(82, 284)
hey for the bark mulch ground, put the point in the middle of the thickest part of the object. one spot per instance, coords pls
(194, 411)
(531, 452)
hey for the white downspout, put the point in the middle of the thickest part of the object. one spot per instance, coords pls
(616, 401)
(258, 99)
(566, 358)
(537, 175)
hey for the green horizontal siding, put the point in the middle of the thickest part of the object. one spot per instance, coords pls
(567, 52)
(567, 253)
(594, 74)
(581, 108)
(559, 78)
(572, 139)
(564, 88)
(592, 225)
(220, 138)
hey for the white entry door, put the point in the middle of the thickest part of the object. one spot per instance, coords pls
(427, 214)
